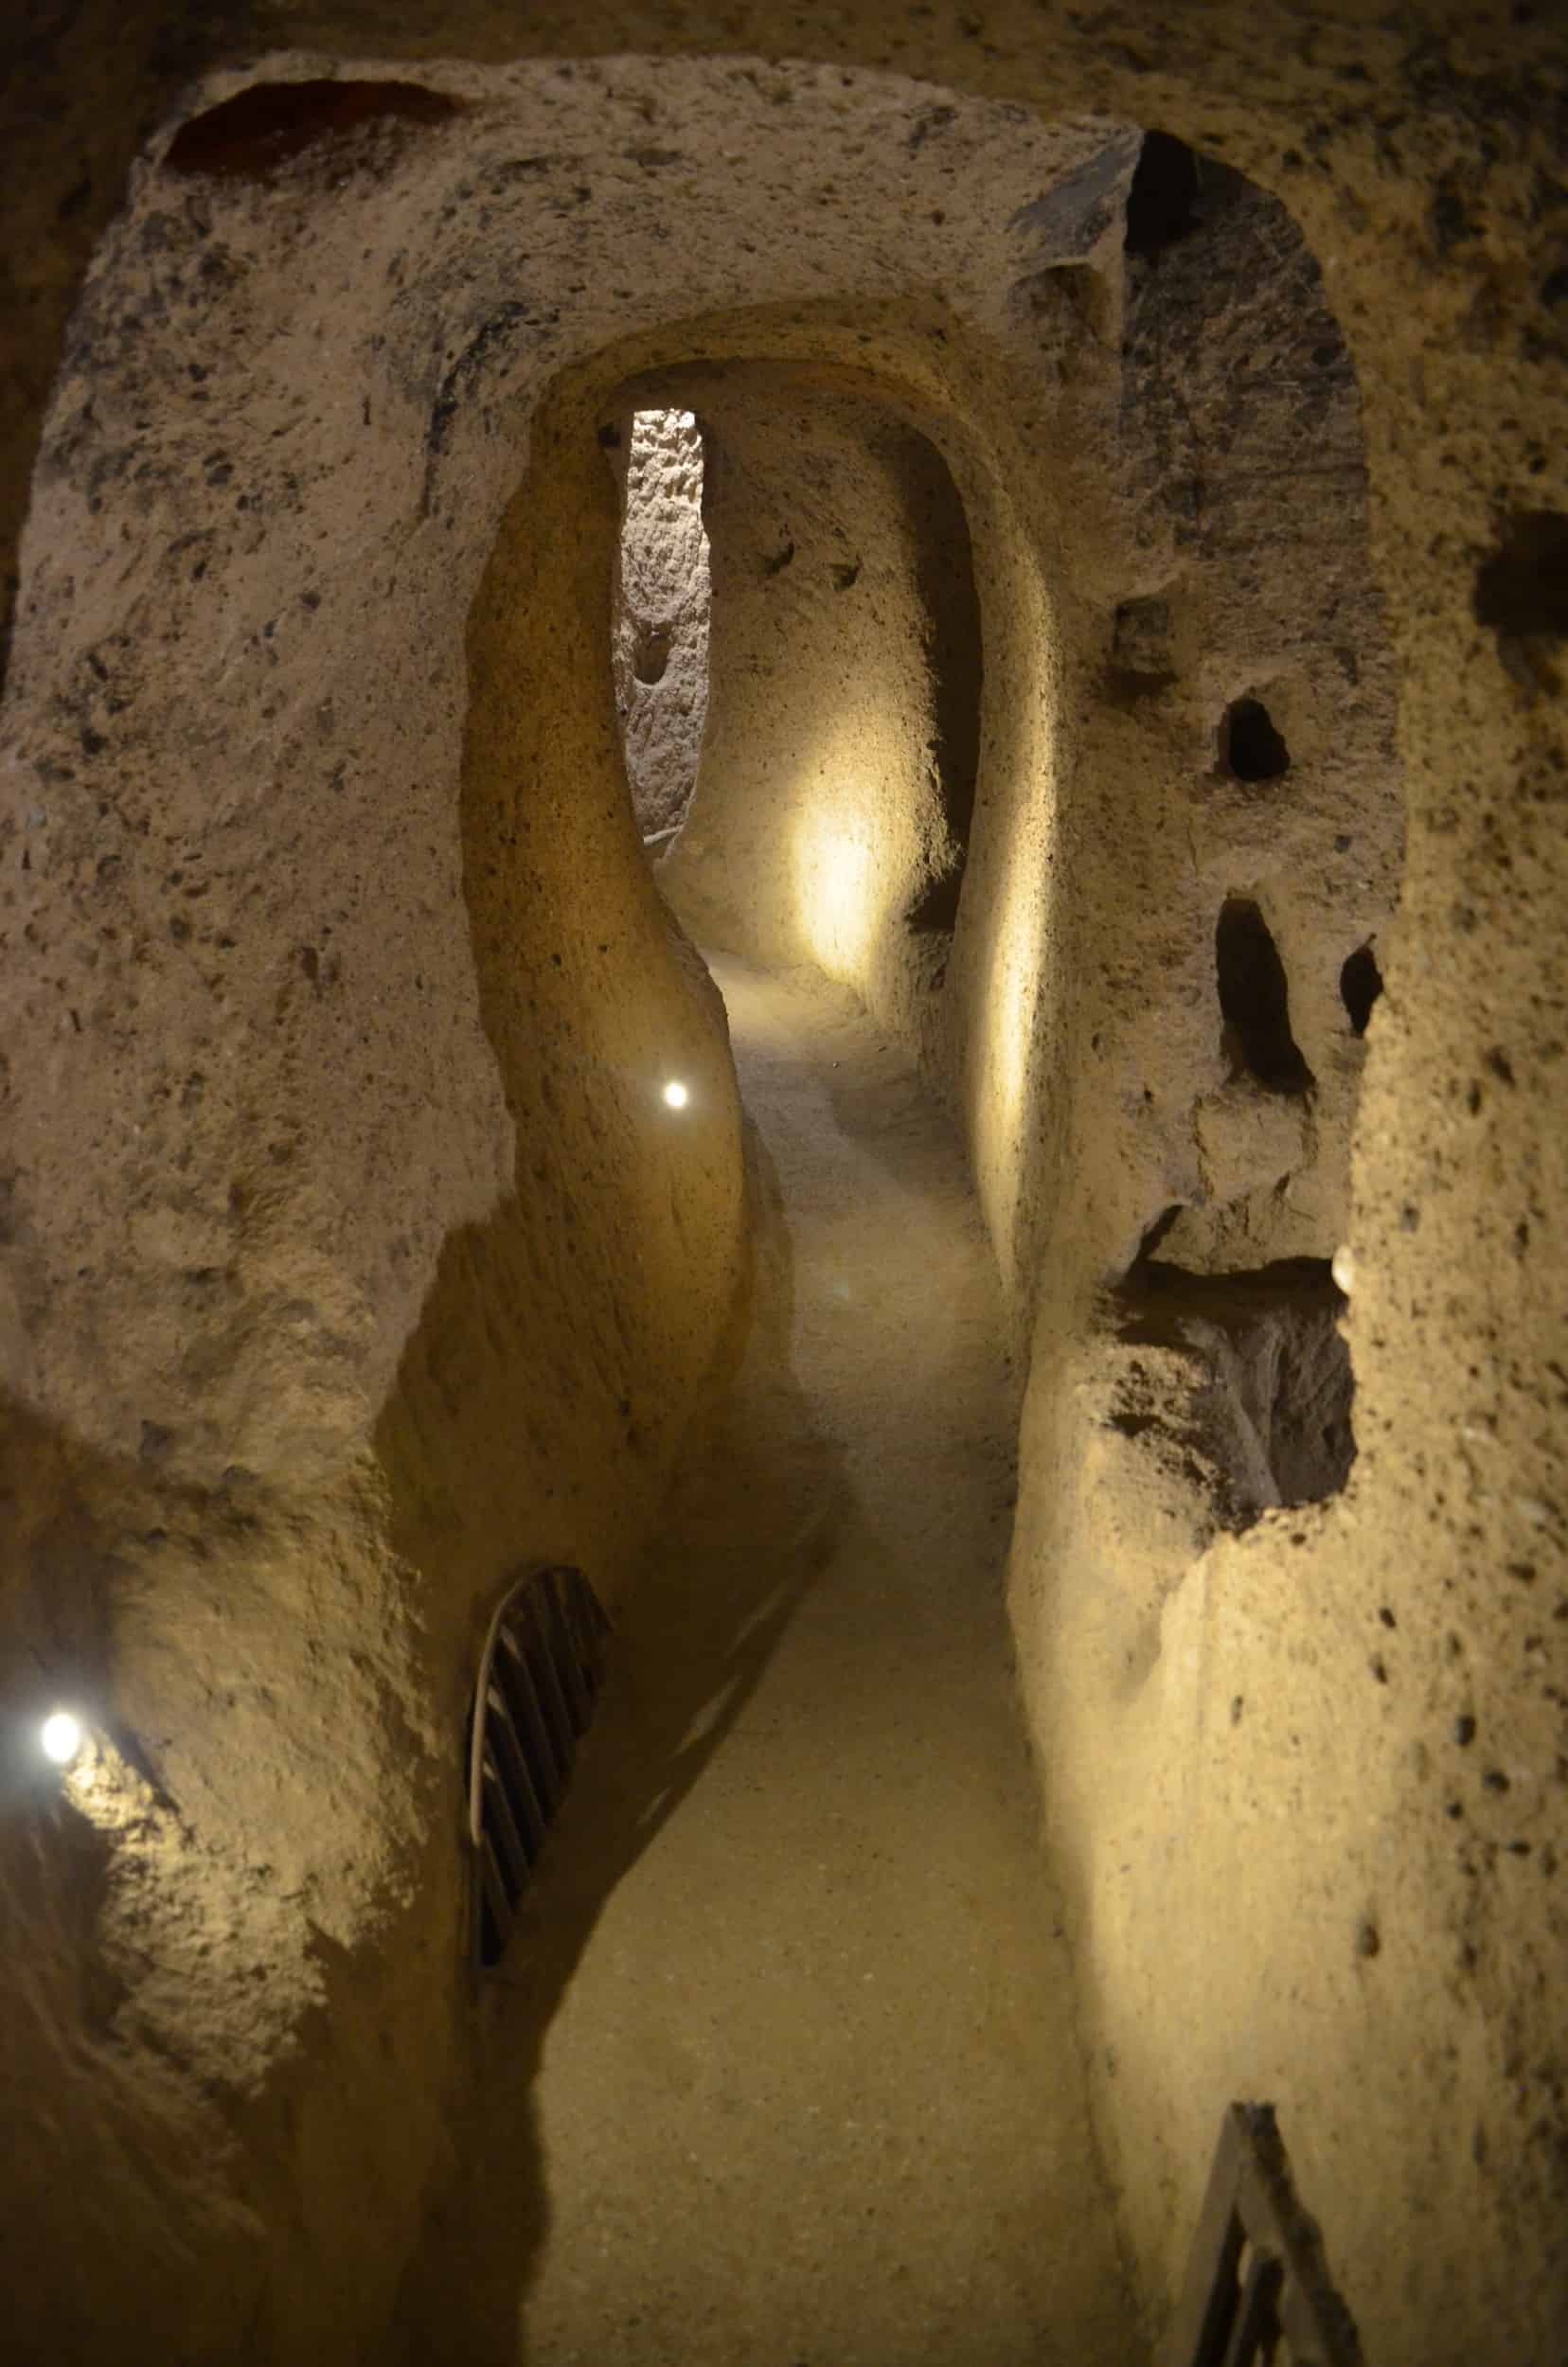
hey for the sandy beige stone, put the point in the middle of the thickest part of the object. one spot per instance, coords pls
(662, 600)
(348, 1263)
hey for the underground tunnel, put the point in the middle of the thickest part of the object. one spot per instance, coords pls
(783, 911)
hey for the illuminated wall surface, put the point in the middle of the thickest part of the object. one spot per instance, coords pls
(1104, 611)
(661, 627)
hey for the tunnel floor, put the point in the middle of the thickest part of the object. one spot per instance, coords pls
(795, 2025)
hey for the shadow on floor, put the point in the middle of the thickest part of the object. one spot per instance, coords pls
(687, 1654)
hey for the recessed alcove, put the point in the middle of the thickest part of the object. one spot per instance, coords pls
(268, 127)
(1254, 1000)
(1162, 200)
(1251, 746)
(1360, 983)
(1263, 1414)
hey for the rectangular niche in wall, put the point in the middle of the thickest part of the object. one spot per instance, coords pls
(538, 1677)
(661, 622)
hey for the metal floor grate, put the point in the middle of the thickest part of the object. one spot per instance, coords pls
(1257, 2290)
(542, 1668)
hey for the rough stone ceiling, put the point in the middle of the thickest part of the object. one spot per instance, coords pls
(292, 411)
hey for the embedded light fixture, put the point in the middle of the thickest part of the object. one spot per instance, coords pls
(676, 1094)
(62, 1736)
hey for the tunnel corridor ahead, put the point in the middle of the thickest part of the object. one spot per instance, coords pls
(1156, 537)
(810, 2090)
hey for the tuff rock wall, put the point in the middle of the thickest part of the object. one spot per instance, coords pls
(265, 1465)
(662, 600)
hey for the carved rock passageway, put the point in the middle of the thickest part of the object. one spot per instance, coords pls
(811, 2091)
(1129, 559)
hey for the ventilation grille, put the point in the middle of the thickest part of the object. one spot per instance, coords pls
(542, 1669)
(1257, 2290)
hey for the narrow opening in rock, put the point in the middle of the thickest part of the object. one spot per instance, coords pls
(1361, 983)
(1163, 193)
(660, 632)
(1254, 1000)
(256, 133)
(1522, 586)
(1250, 747)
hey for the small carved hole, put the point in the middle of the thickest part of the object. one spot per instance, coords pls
(1163, 193)
(1361, 983)
(1254, 1001)
(650, 654)
(1250, 747)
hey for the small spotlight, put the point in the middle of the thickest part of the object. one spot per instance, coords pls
(676, 1096)
(61, 1735)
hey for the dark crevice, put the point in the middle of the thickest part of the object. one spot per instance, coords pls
(1250, 747)
(1162, 201)
(1523, 587)
(651, 654)
(1361, 983)
(1157, 1231)
(257, 132)
(1521, 594)
(1254, 1001)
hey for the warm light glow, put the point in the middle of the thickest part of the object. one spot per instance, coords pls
(853, 848)
(1016, 957)
(840, 887)
(61, 1735)
(675, 1093)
